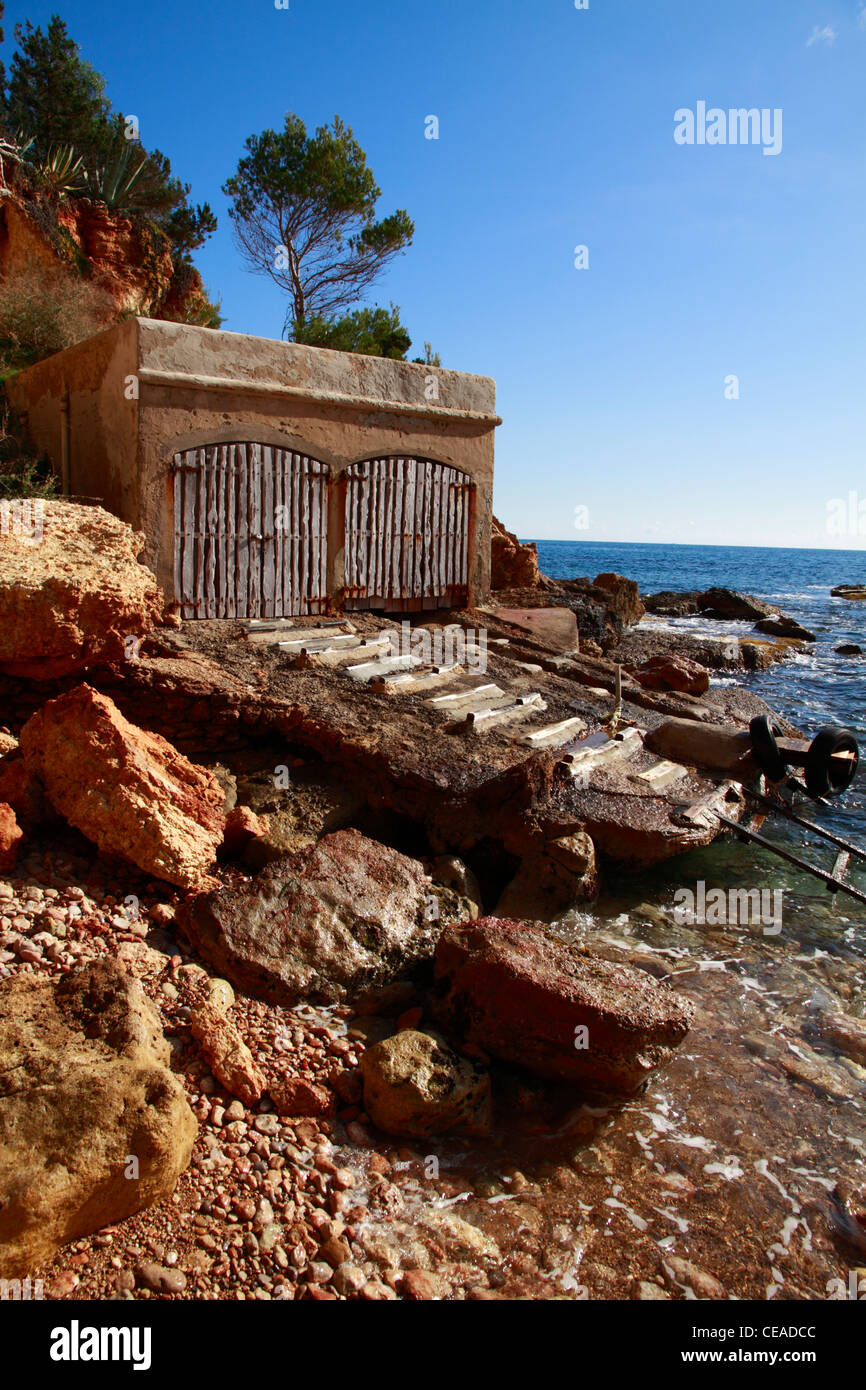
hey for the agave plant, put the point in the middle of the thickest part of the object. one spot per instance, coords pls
(113, 183)
(62, 171)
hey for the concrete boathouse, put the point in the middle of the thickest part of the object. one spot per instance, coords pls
(272, 479)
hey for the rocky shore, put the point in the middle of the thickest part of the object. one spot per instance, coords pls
(282, 1012)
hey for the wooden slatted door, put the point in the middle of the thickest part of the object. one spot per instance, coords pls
(251, 532)
(407, 534)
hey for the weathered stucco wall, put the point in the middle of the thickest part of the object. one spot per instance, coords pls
(102, 417)
(198, 386)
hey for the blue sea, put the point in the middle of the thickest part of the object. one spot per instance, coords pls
(811, 690)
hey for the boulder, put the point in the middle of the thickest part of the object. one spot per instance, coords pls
(71, 596)
(93, 1124)
(414, 1085)
(785, 627)
(11, 836)
(226, 1053)
(552, 878)
(513, 565)
(23, 792)
(624, 596)
(729, 605)
(295, 1096)
(673, 673)
(334, 919)
(849, 649)
(854, 592)
(524, 997)
(127, 790)
(670, 604)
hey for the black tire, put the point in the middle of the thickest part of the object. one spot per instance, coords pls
(821, 775)
(766, 750)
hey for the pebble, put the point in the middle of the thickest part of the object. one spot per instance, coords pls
(160, 1279)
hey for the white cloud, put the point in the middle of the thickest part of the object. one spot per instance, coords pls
(828, 34)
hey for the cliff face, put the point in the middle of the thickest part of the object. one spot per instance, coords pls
(129, 259)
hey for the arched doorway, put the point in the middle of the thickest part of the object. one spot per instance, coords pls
(407, 534)
(251, 531)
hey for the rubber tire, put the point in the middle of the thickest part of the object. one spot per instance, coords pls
(765, 749)
(820, 776)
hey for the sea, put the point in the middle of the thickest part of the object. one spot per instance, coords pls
(811, 689)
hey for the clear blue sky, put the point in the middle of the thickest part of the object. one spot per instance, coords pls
(556, 129)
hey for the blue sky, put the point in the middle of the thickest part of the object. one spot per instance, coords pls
(557, 130)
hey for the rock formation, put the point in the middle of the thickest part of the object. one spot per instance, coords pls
(513, 565)
(513, 990)
(93, 1125)
(342, 916)
(73, 594)
(414, 1085)
(127, 790)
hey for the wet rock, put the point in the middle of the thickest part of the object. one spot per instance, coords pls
(673, 673)
(419, 1284)
(415, 1085)
(729, 605)
(854, 592)
(127, 790)
(93, 1125)
(11, 837)
(551, 879)
(73, 599)
(341, 917)
(846, 1033)
(509, 988)
(785, 627)
(670, 604)
(453, 873)
(849, 649)
(8, 743)
(226, 1053)
(683, 1274)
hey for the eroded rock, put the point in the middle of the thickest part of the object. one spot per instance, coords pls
(414, 1085)
(226, 1053)
(673, 673)
(127, 790)
(342, 916)
(74, 597)
(513, 990)
(93, 1125)
(551, 879)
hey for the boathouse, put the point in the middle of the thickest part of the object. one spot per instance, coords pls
(272, 479)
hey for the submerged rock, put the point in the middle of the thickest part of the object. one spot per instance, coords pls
(93, 1125)
(414, 1085)
(127, 790)
(342, 916)
(511, 989)
(72, 595)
